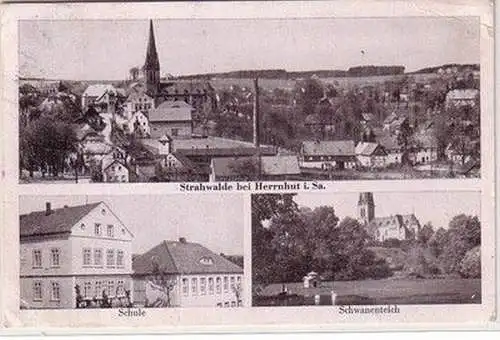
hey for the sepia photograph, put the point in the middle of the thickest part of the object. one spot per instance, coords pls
(263, 99)
(368, 248)
(130, 251)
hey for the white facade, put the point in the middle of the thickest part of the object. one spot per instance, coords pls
(140, 120)
(97, 249)
(115, 172)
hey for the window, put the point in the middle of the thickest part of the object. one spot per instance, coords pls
(226, 284)
(87, 257)
(119, 258)
(211, 285)
(54, 257)
(55, 292)
(194, 286)
(98, 257)
(203, 286)
(111, 288)
(111, 230)
(37, 258)
(175, 132)
(238, 280)
(185, 287)
(98, 289)
(87, 288)
(233, 303)
(97, 229)
(37, 290)
(218, 286)
(232, 282)
(120, 288)
(226, 304)
(110, 258)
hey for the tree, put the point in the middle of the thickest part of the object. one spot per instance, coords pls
(470, 266)
(425, 234)
(437, 242)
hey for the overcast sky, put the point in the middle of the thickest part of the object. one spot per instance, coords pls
(154, 218)
(97, 49)
(438, 207)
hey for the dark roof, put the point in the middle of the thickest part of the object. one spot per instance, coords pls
(171, 111)
(176, 257)
(58, 221)
(369, 149)
(328, 148)
(270, 165)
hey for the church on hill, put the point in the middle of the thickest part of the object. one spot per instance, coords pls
(197, 93)
(401, 227)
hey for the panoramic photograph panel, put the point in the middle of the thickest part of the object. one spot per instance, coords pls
(368, 248)
(98, 252)
(267, 99)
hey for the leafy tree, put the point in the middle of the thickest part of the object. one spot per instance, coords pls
(437, 242)
(425, 234)
(470, 266)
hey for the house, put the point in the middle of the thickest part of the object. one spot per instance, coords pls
(311, 280)
(138, 100)
(392, 148)
(186, 274)
(328, 154)
(401, 227)
(139, 124)
(371, 155)
(172, 118)
(278, 167)
(114, 170)
(426, 150)
(101, 93)
(77, 256)
(462, 97)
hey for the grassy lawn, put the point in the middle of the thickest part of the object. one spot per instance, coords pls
(391, 291)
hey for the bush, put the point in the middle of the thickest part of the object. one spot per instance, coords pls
(470, 267)
(391, 243)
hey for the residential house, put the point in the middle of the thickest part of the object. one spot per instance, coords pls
(101, 93)
(311, 280)
(186, 274)
(392, 148)
(139, 124)
(77, 256)
(328, 154)
(426, 150)
(278, 167)
(371, 155)
(171, 118)
(462, 97)
(114, 170)
(138, 100)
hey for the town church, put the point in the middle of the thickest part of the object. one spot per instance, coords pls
(401, 227)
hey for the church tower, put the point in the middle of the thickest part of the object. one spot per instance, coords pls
(366, 208)
(151, 66)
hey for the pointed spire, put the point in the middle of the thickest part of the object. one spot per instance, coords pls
(152, 62)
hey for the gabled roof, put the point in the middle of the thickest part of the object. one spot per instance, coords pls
(388, 141)
(328, 148)
(369, 149)
(270, 165)
(169, 111)
(58, 221)
(98, 90)
(107, 162)
(182, 257)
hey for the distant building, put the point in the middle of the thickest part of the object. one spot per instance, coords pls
(138, 100)
(328, 154)
(171, 118)
(194, 275)
(115, 170)
(279, 167)
(74, 254)
(98, 93)
(462, 97)
(400, 227)
(371, 155)
(139, 124)
(311, 280)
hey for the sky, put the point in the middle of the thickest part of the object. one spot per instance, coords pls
(106, 50)
(437, 207)
(154, 218)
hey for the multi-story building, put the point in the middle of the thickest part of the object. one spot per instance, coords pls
(74, 254)
(186, 274)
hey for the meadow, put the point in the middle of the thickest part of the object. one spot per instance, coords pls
(386, 291)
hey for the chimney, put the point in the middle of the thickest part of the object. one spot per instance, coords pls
(48, 210)
(182, 240)
(256, 123)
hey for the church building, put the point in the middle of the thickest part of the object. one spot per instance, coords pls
(400, 227)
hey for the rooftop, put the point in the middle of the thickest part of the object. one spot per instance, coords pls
(328, 148)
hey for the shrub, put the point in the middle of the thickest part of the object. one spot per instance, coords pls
(470, 267)
(391, 243)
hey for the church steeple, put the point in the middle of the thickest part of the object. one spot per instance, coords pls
(151, 66)
(366, 207)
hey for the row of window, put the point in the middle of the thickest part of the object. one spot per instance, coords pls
(55, 291)
(146, 106)
(98, 253)
(99, 229)
(207, 286)
(54, 258)
(230, 304)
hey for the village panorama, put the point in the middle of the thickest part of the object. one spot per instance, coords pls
(367, 122)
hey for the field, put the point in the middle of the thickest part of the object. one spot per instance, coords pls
(388, 291)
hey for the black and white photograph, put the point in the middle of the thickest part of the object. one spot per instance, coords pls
(142, 251)
(366, 248)
(166, 100)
